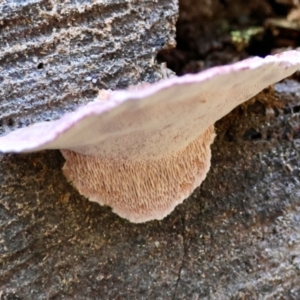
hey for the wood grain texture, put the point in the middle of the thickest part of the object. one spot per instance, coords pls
(235, 238)
(55, 55)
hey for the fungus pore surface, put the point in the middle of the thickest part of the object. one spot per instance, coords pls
(143, 151)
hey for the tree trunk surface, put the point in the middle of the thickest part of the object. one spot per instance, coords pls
(236, 237)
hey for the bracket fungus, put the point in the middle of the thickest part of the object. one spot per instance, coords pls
(144, 150)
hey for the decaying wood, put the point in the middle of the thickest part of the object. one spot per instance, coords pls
(56, 55)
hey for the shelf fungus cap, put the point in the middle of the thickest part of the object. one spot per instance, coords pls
(144, 150)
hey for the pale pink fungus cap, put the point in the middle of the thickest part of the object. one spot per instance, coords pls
(143, 151)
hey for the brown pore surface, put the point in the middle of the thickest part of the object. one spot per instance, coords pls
(141, 190)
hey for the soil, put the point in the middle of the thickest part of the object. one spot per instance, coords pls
(236, 237)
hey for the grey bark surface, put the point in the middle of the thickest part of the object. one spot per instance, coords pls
(55, 55)
(236, 237)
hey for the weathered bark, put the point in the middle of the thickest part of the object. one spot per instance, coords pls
(55, 55)
(237, 237)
